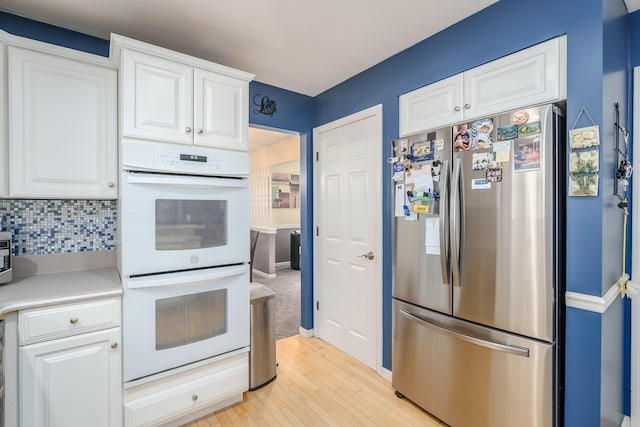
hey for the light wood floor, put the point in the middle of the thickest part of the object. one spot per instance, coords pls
(318, 385)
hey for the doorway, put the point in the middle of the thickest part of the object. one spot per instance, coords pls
(275, 221)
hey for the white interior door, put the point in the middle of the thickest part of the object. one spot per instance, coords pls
(347, 214)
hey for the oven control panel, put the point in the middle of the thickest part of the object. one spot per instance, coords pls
(173, 159)
(183, 159)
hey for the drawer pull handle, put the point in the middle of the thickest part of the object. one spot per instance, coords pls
(73, 320)
(114, 345)
(194, 397)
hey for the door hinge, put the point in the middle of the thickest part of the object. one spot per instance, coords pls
(317, 157)
(317, 231)
(317, 305)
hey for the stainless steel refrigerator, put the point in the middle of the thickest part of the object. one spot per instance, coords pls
(478, 269)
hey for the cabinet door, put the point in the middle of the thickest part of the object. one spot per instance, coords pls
(157, 98)
(74, 381)
(4, 145)
(62, 127)
(532, 76)
(432, 106)
(221, 111)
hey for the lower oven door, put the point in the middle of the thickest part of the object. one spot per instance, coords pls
(179, 222)
(174, 319)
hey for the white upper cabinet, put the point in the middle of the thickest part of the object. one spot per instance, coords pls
(431, 106)
(221, 111)
(170, 97)
(62, 127)
(157, 101)
(531, 76)
(528, 77)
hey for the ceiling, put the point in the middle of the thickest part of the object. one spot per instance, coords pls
(300, 45)
(260, 138)
(632, 5)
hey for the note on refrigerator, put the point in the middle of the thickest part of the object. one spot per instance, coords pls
(423, 181)
(399, 203)
(432, 236)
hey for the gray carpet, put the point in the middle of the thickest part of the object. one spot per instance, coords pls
(287, 288)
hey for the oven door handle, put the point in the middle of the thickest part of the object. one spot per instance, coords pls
(186, 181)
(189, 278)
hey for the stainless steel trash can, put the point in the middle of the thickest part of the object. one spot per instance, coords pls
(262, 356)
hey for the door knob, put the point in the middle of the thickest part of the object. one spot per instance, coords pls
(369, 255)
(200, 131)
(187, 129)
(457, 108)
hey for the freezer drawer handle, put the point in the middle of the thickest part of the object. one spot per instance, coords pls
(518, 351)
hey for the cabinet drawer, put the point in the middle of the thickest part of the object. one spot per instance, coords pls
(42, 324)
(175, 397)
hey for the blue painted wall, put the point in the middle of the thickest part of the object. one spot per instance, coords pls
(294, 113)
(485, 36)
(634, 61)
(51, 34)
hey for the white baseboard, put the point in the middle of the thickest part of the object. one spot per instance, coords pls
(385, 373)
(307, 333)
(626, 422)
(263, 274)
(282, 265)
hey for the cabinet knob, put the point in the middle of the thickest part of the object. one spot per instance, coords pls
(194, 397)
(457, 108)
(114, 345)
(187, 129)
(200, 131)
(467, 106)
(73, 320)
(111, 185)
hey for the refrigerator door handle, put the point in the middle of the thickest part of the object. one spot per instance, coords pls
(512, 349)
(454, 222)
(444, 226)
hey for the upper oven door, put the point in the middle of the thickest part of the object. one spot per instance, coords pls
(177, 222)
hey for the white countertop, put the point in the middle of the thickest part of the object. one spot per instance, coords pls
(58, 288)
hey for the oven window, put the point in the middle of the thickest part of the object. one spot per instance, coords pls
(190, 224)
(190, 318)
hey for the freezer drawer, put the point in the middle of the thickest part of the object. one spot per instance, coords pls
(471, 376)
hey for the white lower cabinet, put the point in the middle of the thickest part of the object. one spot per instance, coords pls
(70, 365)
(177, 398)
(72, 382)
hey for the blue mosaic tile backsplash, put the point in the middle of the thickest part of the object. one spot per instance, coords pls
(41, 227)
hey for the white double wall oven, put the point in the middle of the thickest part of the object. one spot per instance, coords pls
(184, 253)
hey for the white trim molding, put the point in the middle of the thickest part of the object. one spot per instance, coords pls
(53, 49)
(386, 374)
(263, 274)
(307, 333)
(592, 302)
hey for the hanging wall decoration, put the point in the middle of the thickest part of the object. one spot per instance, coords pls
(584, 158)
(265, 105)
